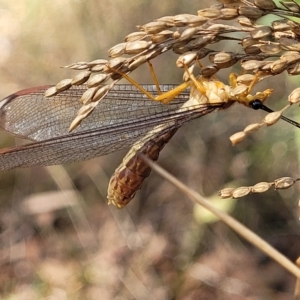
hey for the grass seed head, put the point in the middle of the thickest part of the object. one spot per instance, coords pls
(117, 50)
(97, 79)
(293, 69)
(224, 60)
(245, 79)
(192, 36)
(252, 128)
(136, 47)
(292, 6)
(261, 32)
(294, 96)
(64, 85)
(81, 78)
(272, 118)
(100, 93)
(137, 62)
(51, 91)
(229, 13)
(226, 193)
(153, 27)
(88, 95)
(161, 36)
(82, 113)
(135, 36)
(169, 20)
(237, 137)
(186, 59)
(187, 34)
(209, 71)
(270, 48)
(265, 4)
(278, 66)
(252, 12)
(99, 68)
(190, 20)
(261, 187)
(241, 192)
(116, 63)
(96, 62)
(284, 183)
(210, 13)
(289, 44)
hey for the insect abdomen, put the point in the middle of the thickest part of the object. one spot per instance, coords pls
(130, 175)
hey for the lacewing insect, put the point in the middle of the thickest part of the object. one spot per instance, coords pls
(124, 118)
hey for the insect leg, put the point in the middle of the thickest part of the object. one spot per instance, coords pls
(154, 77)
(232, 79)
(195, 81)
(163, 97)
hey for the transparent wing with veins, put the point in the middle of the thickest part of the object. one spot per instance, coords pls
(121, 119)
(30, 115)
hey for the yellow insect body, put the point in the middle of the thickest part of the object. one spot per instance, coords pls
(205, 90)
(212, 92)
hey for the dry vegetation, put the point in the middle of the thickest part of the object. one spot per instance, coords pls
(60, 240)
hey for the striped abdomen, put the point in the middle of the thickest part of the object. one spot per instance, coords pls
(130, 175)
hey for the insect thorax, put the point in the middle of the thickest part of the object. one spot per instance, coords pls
(209, 92)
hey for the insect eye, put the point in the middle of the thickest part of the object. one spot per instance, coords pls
(256, 104)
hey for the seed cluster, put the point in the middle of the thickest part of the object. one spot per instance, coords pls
(264, 50)
(269, 119)
(261, 187)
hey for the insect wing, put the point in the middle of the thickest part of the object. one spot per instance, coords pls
(30, 115)
(123, 118)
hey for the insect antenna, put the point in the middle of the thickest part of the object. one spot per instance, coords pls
(257, 104)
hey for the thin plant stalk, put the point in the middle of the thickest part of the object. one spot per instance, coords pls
(238, 227)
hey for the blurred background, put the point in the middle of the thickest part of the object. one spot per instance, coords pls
(58, 237)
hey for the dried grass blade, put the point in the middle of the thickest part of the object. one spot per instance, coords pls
(246, 233)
